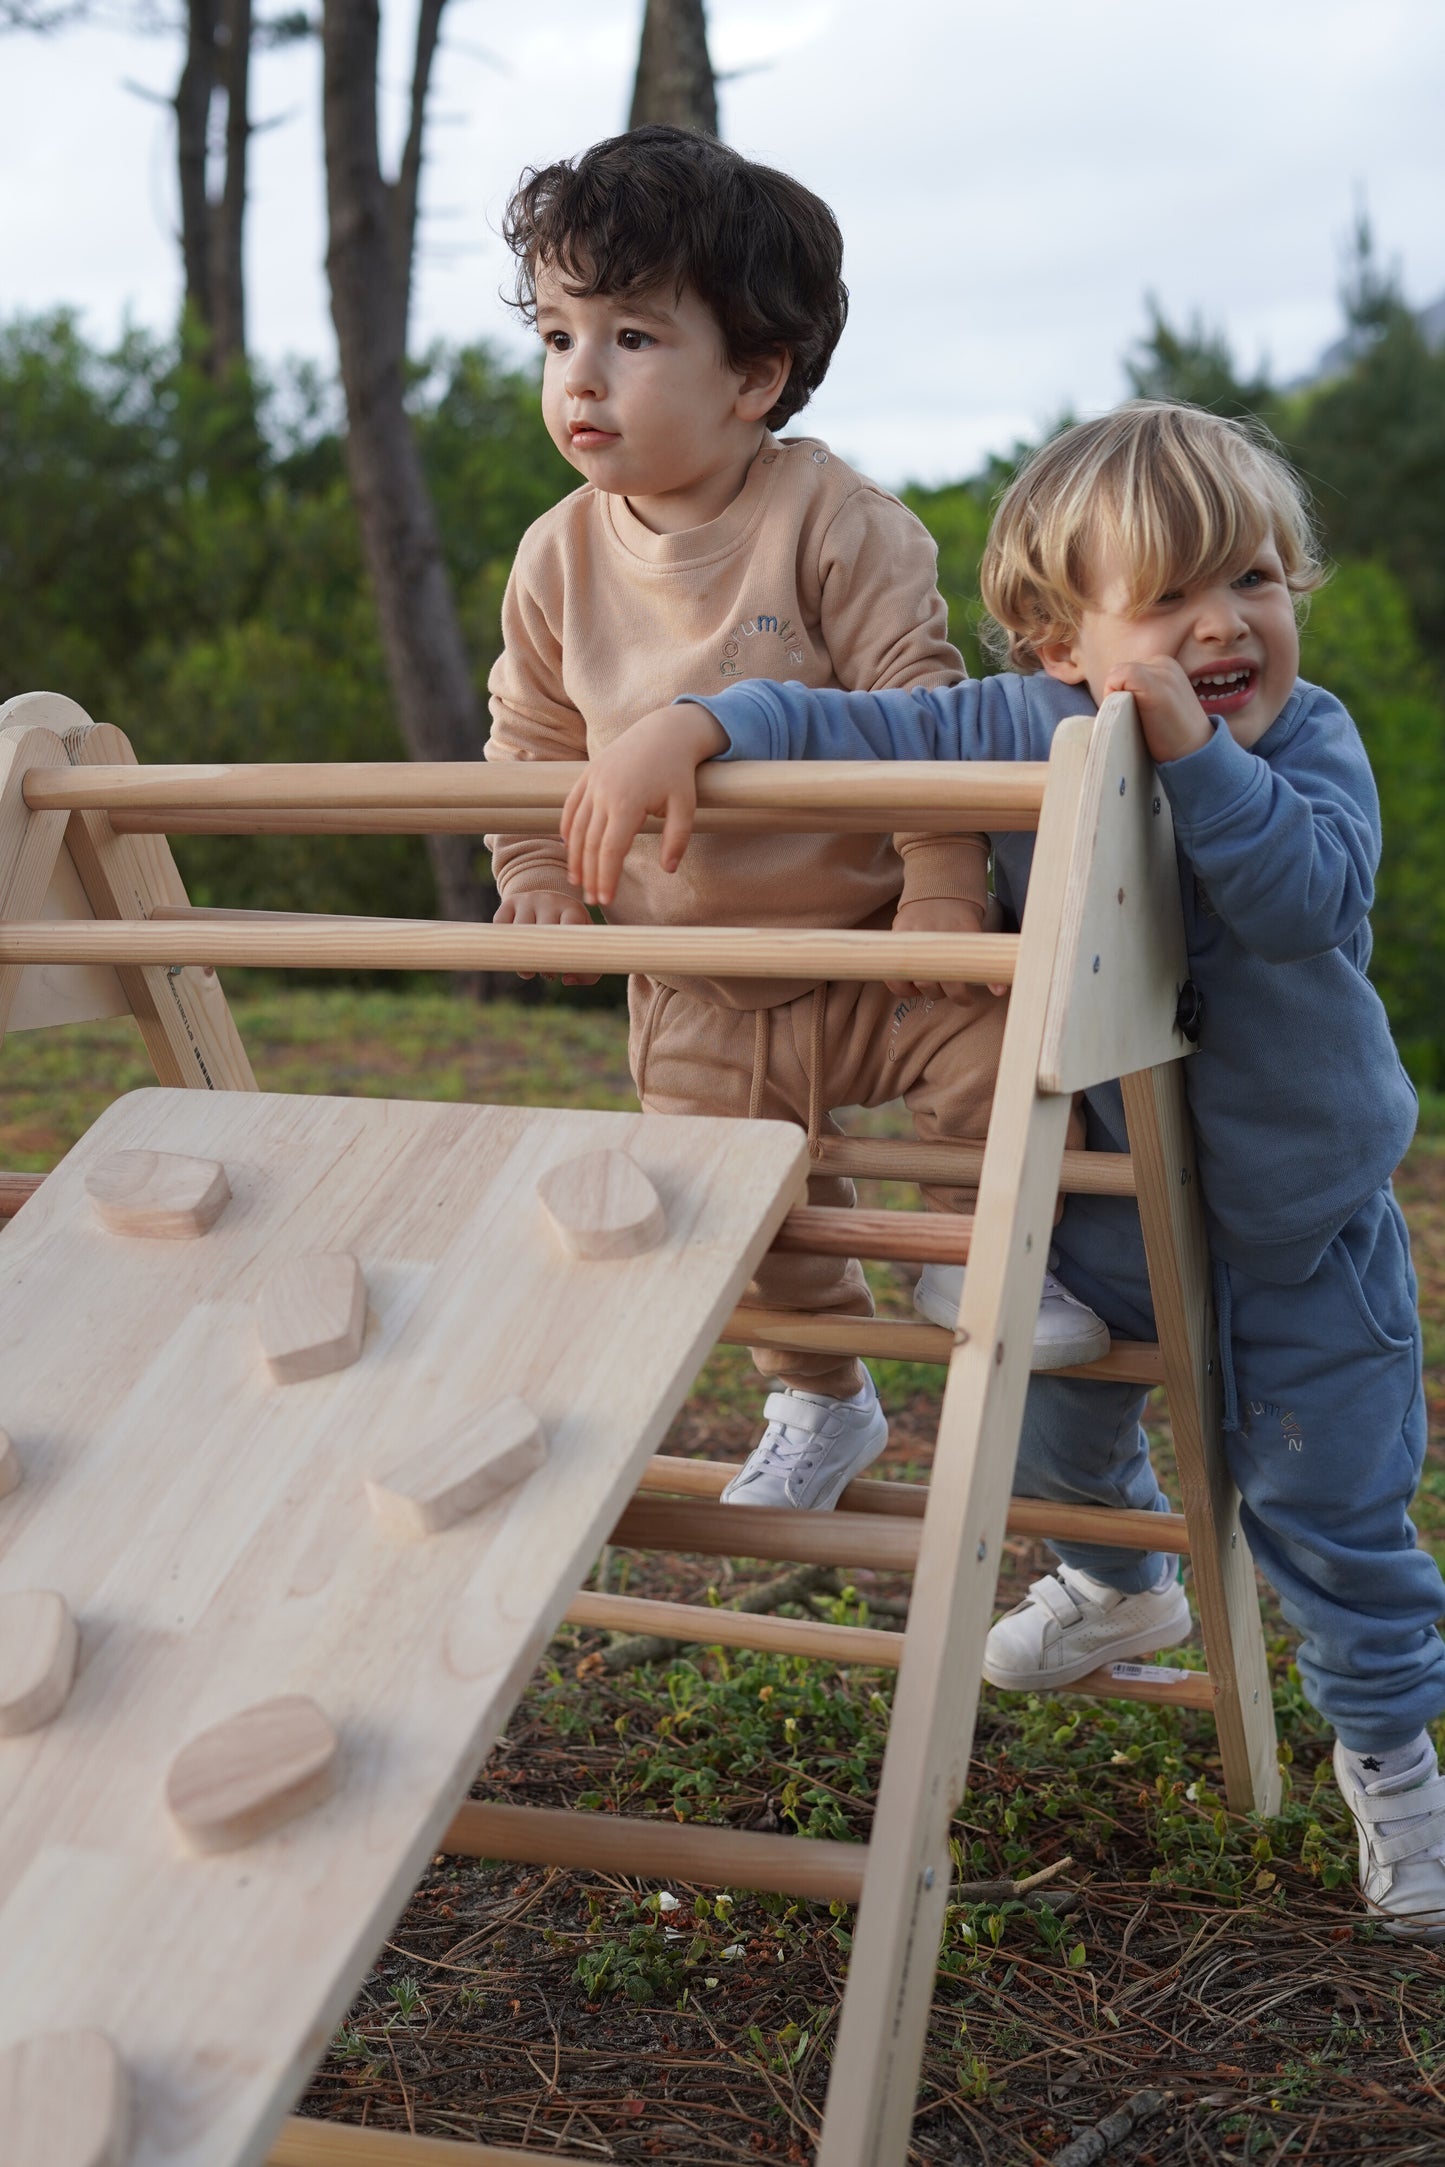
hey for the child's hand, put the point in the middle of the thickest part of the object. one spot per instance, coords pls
(651, 768)
(544, 907)
(936, 914)
(1173, 721)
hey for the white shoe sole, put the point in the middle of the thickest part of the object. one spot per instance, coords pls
(1170, 1631)
(1091, 1344)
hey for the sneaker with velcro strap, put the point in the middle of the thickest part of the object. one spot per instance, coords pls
(1400, 1820)
(1066, 1330)
(811, 1449)
(1069, 1624)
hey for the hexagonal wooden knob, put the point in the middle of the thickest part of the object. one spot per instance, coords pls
(161, 1194)
(312, 1315)
(603, 1205)
(252, 1773)
(457, 1471)
(64, 2102)
(39, 1644)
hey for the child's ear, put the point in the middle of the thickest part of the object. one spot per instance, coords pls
(760, 384)
(1060, 659)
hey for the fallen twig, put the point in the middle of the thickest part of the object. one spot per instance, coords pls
(1091, 2144)
(1024, 1891)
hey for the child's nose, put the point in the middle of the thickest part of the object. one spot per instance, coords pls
(582, 377)
(1220, 616)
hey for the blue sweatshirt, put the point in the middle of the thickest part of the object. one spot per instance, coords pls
(1301, 1106)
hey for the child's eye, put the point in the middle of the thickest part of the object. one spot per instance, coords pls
(1175, 594)
(635, 342)
(1252, 578)
(557, 342)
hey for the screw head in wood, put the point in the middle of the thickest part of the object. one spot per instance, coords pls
(64, 2102)
(159, 1195)
(252, 1773)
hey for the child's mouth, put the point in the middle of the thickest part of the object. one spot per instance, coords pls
(1223, 692)
(592, 439)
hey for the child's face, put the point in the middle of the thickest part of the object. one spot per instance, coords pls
(1234, 636)
(640, 397)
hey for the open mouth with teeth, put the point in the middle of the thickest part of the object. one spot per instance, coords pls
(1221, 692)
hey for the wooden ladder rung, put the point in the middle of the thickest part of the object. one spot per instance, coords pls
(15, 1190)
(911, 1237)
(1118, 1528)
(882, 1338)
(886, 1158)
(601, 1843)
(304, 2143)
(703, 1626)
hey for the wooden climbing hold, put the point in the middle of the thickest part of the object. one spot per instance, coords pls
(38, 1649)
(64, 2102)
(251, 1773)
(603, 1205)
(312, 1315)
(160, 1194)
(9, 1465)
(457, 1471)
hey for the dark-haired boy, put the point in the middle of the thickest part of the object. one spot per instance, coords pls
(688, 302)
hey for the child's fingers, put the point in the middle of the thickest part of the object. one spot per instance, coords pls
(676, 829)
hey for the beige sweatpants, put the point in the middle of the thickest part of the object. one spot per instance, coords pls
(843, 1045)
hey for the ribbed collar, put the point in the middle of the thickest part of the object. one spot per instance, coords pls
(696, 545)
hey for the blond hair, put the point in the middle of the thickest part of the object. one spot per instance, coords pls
(1177, 494)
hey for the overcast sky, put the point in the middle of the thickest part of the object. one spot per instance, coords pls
(1011, 180)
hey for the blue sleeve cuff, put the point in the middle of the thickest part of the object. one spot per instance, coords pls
(747, 717)
(1212, 784)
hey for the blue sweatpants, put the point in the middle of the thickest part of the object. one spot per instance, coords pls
(1325, 1437)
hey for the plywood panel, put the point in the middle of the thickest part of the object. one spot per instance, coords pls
(211, 1535)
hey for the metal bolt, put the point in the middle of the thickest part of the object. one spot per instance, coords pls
(1234, 1542)
(1123, 786)
(928, 1877)
(1184, 1177)
(1096, 963)
(173, 970)
(982, 1551)
(1121, 895)
(1157, 803)
(1028, 1243)
(1255, 1696)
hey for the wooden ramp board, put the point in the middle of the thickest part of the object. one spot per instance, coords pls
(211, 1534)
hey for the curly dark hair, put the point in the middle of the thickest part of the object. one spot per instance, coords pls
(664, 207)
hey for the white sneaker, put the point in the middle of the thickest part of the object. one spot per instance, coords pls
(1067, 1331)
(1070, 1624)
(1401, 1824)
(811, 1449)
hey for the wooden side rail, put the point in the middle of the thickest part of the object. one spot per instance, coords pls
(281, 941)
(983, 789)
(530, 820)
(605, 1843)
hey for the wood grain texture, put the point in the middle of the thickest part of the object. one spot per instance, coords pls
(30, 842)
(252, 1773)
(53, 993)
(452, 1474)
(992, 787)
(305, 2143)
(161, 1195)
(1121, 960)
(64, 2102)
(39, 1644)
(602, 1205)
(284, 942)
(217, 1531)
(311, 1315)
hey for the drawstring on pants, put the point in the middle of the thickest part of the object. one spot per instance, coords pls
(762, 1035)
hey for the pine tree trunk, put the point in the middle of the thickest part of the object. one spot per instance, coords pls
(436, 706)
(675, 81)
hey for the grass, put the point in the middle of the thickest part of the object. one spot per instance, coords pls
(1223, 1961)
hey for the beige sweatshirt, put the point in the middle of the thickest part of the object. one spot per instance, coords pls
(811, 573)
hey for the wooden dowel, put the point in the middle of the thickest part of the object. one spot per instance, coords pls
(881, 1338)
(281, 942)
(659, 1850)
(886, 1542)
(738, 1628)
(1121, 1528)
(541, 820)
(883, 1158)
(914, 1237)
(981, 788)
(304, 2143)
(1194, 1690)
(15, 1190)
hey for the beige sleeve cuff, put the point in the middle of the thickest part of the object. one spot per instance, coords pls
(934, 866)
